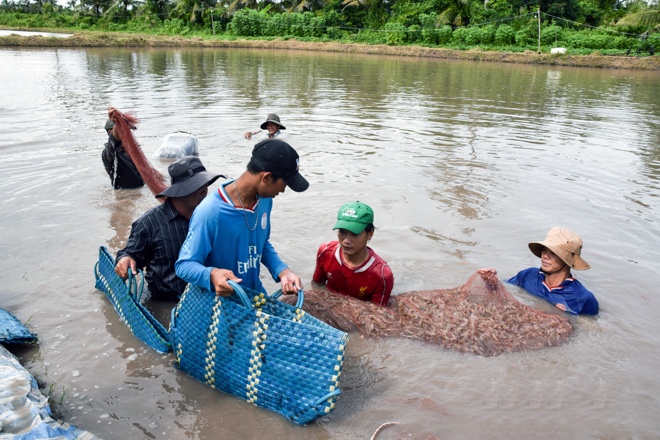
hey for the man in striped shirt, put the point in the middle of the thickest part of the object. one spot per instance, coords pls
(157, 236)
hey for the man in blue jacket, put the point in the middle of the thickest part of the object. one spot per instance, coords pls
(229, 231)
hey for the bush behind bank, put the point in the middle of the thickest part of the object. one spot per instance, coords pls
(518, 36)
(85, 39)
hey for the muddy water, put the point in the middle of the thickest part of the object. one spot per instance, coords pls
(463, 163)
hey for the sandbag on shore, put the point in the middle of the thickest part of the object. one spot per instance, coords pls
(24, 411)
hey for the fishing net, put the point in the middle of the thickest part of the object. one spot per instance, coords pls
(477, 317)
(125, 122)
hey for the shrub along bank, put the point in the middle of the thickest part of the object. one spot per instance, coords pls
(118, 39)
(526, 32)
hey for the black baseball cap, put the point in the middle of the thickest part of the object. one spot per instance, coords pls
(281, 159)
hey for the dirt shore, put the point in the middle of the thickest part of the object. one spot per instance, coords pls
(111, 39)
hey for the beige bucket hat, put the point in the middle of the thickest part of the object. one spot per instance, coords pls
(565, 244)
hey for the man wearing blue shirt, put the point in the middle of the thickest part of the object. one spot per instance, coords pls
(559, 253)
(229, 231)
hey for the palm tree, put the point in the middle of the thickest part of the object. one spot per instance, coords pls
(158, 7)
(307, 5)
(191, 10)
(120, 5)
(96, 6)
(377, 12)
(235, 5)
(457, 14)
(649, 18)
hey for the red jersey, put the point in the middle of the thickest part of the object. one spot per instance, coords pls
(373, 281)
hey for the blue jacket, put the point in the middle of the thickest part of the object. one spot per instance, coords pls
(220, 236)
(571, 293)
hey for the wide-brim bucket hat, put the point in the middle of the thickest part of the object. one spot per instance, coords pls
(188, 175)
(275, 120)
(565, 244)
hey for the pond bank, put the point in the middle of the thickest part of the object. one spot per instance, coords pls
(112, 39)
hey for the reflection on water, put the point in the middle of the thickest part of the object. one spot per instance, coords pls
(124, 209)
(463, 163)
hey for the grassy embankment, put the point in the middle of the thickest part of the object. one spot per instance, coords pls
(114, 39)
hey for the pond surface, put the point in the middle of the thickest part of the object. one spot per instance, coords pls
(464, 163)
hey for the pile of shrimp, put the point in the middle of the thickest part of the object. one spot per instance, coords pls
(477, 317)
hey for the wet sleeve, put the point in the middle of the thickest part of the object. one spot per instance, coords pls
(139, 244)
(319, 272)
(108, 158)
(517, 280)
(384, 288)
(590, 306)
(272, 261)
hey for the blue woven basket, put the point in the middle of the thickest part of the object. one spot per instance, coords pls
(270, 353)
(12, 331)
(125, 297)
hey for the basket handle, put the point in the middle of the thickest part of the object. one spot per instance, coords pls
(241, 294)
(327, 396)
(132, 284)
(301, 297)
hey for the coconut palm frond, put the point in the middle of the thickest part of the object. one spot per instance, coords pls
(113, 8)
(193, 13)
(649, 18)
(351, 3)
(446, 17)
(233, 6)
(304, 4)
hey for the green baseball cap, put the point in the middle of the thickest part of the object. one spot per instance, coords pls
(354, 217)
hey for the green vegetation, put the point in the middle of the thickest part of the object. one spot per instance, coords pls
(50, 391)
(582, 26)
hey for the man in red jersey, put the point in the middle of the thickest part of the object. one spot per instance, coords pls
(348, 266)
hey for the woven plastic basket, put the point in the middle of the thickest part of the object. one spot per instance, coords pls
(125, 297)
(268, 352)
(12, 331)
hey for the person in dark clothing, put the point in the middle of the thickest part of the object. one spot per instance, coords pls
(118, 164)
(157, 236)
